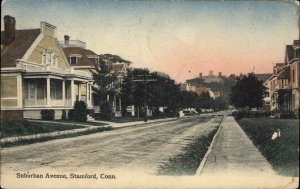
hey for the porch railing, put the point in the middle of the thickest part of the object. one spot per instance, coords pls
(43, 102)
(35, 102)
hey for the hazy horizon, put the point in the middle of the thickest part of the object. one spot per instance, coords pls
(179, 38)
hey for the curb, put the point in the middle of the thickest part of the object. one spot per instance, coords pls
(203, 161)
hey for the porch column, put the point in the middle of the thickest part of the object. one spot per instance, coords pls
(79, 95)
(64, 92)
(120, 106)
(86, 94)
(72, 93)
(48, 92)
(90, 94)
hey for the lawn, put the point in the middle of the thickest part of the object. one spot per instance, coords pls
(21, 128)
(188, 162)
(283, 152)
(32, 140)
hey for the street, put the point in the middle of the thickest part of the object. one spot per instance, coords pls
(139, 149)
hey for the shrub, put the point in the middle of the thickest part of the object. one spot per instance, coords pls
(106, 111)
(79, 111)
(47, 114)
(288, 115)
(63, 115)
(71, 114)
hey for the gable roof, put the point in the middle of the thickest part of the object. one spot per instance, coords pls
(263, 77)
(83, 60)
(284, 74)
(18, 47)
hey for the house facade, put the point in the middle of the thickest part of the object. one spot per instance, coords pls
(36, 75)
(82, 59)
(283, 86)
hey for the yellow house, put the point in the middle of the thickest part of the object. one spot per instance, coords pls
(36, 75)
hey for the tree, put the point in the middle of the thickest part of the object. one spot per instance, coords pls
(205, 101)
(247, 92)
(162, 92)
(104, 79)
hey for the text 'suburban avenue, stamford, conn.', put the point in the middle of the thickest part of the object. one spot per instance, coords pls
(150, 94)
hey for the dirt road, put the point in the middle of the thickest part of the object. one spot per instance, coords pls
(139, 148)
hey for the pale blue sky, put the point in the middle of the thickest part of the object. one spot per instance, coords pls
(173, 37)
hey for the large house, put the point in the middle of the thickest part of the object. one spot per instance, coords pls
(83, 59)
(283, 85)
(36, 75)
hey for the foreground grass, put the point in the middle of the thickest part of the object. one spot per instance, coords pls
(282, 153)
(23, 128)
(188, 162)
(32, 140)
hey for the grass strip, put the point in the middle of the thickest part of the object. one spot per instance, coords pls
(283, 152)
(188, 162)
(25, 127)
(32, 140)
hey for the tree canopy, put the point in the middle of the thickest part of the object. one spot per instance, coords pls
(247, 92)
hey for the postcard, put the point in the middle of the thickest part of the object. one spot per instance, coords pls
(149, 94)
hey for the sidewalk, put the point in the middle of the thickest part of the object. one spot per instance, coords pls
(232, 153)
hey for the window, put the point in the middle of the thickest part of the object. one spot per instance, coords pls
(49, 58)
(73, 60)
(293, 75)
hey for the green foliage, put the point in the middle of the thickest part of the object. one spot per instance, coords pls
(247, 92)
(80, 112)
(106, 111)
(71, 114)
(246, 113)
(104, 79)
(205, 101)
(219, 104)
(63, 115)
(188, 162)
(47, 114)
(283, 152)
(25, 127)
(160, 92)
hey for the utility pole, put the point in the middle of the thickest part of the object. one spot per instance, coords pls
(144, 79)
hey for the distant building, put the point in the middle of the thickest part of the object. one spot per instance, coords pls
(187, 87)
(212, 78)
(283, 85)
(200, 90)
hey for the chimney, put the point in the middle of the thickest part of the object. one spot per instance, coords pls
(200, 75)
(67, 39)
(220, 74)
(9, 29)
(211, 73)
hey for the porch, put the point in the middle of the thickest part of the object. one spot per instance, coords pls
(56, 92)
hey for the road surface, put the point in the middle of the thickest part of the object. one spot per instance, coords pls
(140, 148)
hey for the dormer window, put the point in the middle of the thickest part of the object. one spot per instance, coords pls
(49, 58)
(73, 60)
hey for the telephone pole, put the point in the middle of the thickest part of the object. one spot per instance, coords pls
(144, 79)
